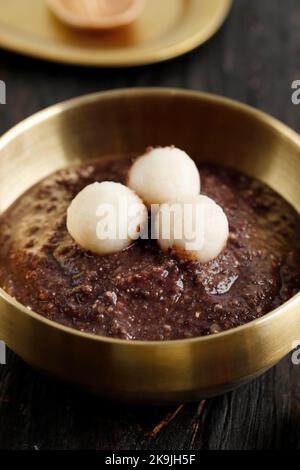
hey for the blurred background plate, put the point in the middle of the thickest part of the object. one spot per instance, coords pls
(166, 29)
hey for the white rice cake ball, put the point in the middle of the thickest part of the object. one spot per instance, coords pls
(106, 217)
(164, 174)
(195, 229)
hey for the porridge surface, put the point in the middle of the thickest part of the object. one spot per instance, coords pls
(143, 293)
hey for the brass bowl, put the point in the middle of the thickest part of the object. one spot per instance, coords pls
(118, 122)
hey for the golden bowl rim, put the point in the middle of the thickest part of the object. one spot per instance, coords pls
(72, 103)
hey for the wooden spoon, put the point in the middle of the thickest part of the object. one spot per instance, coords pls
(96, 14)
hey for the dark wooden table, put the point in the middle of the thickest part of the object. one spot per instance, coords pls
(254, 58)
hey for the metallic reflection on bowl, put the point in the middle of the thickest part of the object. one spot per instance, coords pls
(119, 122)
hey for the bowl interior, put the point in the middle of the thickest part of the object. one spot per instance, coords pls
(207, 127)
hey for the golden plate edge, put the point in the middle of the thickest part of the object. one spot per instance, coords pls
(12, 44)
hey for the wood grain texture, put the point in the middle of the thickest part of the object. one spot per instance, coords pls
(254, 58)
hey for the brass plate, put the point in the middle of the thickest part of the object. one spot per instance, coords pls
(166, 29)
(207, 127)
